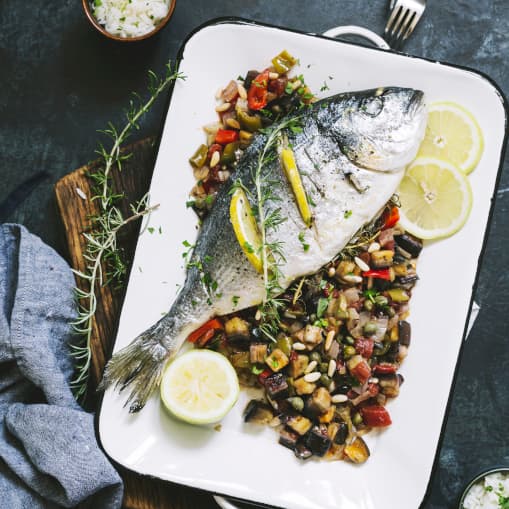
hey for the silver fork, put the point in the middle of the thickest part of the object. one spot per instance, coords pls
(403, 18)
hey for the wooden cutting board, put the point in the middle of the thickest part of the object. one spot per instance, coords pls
(73, 194)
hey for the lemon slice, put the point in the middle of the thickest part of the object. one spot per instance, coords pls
(245, 228)
(436, 198)
(453, 134)
(293, 176)
(199, 387)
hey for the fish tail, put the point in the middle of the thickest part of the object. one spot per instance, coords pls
(139, 366)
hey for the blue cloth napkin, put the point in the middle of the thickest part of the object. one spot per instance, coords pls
(49, 456)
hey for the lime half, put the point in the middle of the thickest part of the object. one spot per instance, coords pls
(199, 387)
(436, 198)
(453, 134)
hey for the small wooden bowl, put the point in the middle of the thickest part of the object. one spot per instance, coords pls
(90, 15)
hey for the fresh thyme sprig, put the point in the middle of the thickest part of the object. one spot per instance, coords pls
(104, 263)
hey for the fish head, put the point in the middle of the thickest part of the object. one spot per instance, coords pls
(378, 129)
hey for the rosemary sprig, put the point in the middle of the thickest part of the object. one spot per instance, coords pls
(104, 263)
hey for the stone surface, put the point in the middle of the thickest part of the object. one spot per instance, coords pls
(60, 81)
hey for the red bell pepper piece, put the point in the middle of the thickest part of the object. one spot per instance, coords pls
(207, 330)
(378, 274)
(364, 347)
(359, 368)
(391, 217)
(257, 94)
(264, 374)
(385, 368)
(225, 136)
(375, 416)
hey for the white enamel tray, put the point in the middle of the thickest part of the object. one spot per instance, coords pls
(248, 463)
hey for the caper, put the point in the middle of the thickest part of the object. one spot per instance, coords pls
(349, 340)
(297, 403)
(324, 367)
(357, 419)
(370, 328)
(315, 356)
(381, 348)
(349, 351)
(325, 380)
(368, 305)
(381, 300)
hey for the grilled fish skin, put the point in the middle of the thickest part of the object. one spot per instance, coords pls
(351, 153)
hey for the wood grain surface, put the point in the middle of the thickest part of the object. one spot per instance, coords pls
(140, 492)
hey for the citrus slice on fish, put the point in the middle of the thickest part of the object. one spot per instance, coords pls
(436, 198)
(453, 134)
(199, 387)
(245, 228)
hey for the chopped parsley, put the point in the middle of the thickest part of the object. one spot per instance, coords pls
(235, 300)
(324, 87)
(151, 230)
(347, 214)
(305, 246)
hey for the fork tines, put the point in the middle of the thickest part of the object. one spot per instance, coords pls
(403, 18)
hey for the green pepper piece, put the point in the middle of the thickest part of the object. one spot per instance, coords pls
(284, 343)
(199, 157)
(228, 155)
(398, 295)
(249, 122)
(245, 138)
(283, 62)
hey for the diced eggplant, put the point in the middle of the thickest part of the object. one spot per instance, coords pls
(277, 360)
(333, 351)
(357, 451)
(257, 353)
(288, 438)
(236, 327)
(276, 386)
(344, 268)
(299, 424)
(405, 332)
(240, 360)
(318, 441)
(382, 259)
(407, 281)
(398, 295)
(386, 237)
(341, 434)
(302, 387)
(313, 335)
(410, 244)
(400, 270)
(327, 416)
(298, 365)
(389, 385)
(250, 76)
(320, 401)
(258, 412)
(302, 452)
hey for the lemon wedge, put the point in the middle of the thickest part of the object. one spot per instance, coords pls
(436, 198)
(293, 176)
(245, 228)
(199, 387)
(453, 134)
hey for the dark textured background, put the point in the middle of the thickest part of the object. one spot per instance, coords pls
(60, 81)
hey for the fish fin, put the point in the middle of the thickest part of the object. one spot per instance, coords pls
(138, 367)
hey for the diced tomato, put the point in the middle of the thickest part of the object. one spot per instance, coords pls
(385, 368)
(264, 374)
(378, 274)
(205, 330)
(364, 347)
(225, 136)
(376, 416)
(391, 217)
(373, 389)
(215, 147)
(257, 94)
(359, 368)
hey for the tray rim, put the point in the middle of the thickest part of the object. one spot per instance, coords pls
(236, 20)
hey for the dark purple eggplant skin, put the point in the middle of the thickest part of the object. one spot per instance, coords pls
(318, 441)
(342, 433)
(252, 409)
(409, 243)
(288, 438)
(404, 332)
(276, 386)
(302, 452)
(250, 76)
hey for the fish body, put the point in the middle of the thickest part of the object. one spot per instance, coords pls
(351, 151)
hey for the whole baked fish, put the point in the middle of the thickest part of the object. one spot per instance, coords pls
(351, 150)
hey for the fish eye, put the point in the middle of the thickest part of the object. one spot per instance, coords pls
(372, 106)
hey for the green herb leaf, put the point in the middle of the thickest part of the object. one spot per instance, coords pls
(322, 306)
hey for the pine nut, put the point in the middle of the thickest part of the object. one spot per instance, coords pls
(296, 84)
(258, 316)
(242, 91)
(312, 377)
(332, 368)
(361, 264)
(331, 272)
(298, 346)
(351, 278)
(374, 246)
(339, 398)
(223, 107)
(328, 339)
(231, 122)
(311, 367)
(219, 92)
(373, 380)
(273, 75)
(214, 160)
